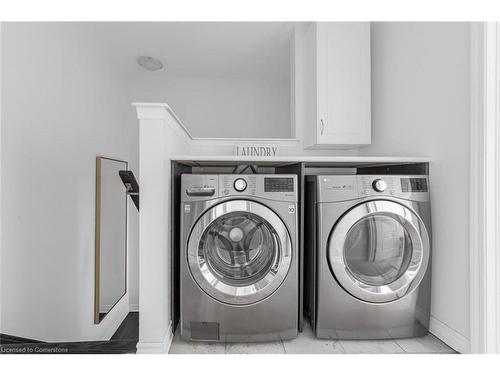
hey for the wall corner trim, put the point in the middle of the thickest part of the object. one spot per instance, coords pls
(484, 201)
(160, 347)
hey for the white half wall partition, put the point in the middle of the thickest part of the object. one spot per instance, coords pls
(160, 137)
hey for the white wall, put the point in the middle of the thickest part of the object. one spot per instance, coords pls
(420, 107)
(63, 105)
(229, 107)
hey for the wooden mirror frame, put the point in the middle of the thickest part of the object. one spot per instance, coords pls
(97, 265)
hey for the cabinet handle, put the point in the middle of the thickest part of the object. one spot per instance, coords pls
(322, 126)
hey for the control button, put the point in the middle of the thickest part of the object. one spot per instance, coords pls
(240, 184)
(379, 185)
(393, 192)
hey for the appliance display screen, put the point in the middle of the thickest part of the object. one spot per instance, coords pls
(411, 185)
(278, 184)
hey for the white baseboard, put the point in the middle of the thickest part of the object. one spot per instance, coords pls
(449, 336)
(161, 347)
(134, 307)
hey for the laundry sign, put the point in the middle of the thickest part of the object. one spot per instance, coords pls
(256, 149)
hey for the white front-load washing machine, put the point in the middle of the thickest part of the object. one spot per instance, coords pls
(367, 256)
(239, 257)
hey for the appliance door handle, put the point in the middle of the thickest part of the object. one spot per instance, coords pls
(322, 126)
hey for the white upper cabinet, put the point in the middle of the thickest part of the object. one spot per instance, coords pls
(335, 83)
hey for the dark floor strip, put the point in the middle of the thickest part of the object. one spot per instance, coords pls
(5, 339)
(123, 341)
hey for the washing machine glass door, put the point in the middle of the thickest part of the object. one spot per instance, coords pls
(239, 252)
(379, 251)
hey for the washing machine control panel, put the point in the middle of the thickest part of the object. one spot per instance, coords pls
(237, 185)
(240, 184)
(278, 184)
(207, 187)
(278, 187)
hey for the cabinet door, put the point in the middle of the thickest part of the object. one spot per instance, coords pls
(344, 97)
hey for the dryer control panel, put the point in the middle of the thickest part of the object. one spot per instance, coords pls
(370, 185)
(277, 187)
(347, 187)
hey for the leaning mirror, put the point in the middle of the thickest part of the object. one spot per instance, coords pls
(110, 236)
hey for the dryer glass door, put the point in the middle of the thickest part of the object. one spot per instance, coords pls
(239, 252)
(379, 251)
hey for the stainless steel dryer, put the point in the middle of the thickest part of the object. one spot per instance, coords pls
(239, 267)
(368, 256)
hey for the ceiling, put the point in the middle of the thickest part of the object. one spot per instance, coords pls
(225, 49)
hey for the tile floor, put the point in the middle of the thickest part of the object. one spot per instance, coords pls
(306, 343)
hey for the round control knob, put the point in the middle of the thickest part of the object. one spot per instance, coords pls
(240, 184)
(379, 185)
